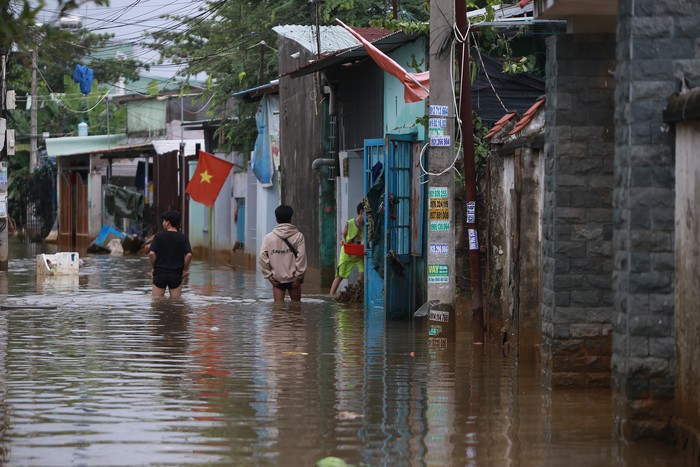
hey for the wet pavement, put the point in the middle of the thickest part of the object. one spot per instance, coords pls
(93, 372)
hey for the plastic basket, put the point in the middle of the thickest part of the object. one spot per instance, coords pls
(354, 249)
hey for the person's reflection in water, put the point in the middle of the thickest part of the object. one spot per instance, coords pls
(171, 317)
(285, 333)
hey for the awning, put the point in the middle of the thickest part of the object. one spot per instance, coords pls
(115, 146)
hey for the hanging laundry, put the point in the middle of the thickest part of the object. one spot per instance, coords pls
(83, 75)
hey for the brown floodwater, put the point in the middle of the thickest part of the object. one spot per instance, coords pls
(93, 372)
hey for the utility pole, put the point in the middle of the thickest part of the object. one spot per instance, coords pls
(33, 112)
(4, 215)
(318, 28)
(261, 77)
(465, 112)
(441, 187)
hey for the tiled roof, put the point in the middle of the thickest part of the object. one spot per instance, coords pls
(500, 124)
(505, 125)
(527, 116)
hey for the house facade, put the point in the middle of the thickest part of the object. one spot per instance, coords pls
(360, 120)
(610, 305)
(126, 180)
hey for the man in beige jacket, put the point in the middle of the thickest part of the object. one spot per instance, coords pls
(283, 256)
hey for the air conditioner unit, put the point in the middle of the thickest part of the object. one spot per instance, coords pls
(10, 100)
(10, 142)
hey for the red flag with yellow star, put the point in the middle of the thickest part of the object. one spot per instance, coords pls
(208, 178)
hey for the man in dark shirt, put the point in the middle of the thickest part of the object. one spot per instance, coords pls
(170, 257)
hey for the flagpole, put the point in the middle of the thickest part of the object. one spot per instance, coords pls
(416, 81)
(211, 232)
(183, 186)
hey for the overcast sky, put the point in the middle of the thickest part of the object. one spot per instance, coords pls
(129, 20)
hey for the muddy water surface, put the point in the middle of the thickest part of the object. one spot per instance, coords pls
(93, 372)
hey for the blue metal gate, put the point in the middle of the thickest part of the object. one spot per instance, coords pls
(374, 281)
(389, 275)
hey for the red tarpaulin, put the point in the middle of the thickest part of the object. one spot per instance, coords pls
(416, 85)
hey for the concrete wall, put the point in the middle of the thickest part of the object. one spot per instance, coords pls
(267, 201)
(577, 225)
(516, 175)
(251, 216)
(351, 191)
(399, 116)
(301, 142)
(530, 251)
(500, 263)
(210, 229)
(95, 204)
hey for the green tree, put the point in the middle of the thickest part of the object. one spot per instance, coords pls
(18, 18)
(58, 53)
(61, 106)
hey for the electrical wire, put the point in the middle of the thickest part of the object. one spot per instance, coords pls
(99, 101)
(488, 78)
(455, 38)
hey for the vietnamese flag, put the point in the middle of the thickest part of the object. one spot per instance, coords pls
(208, 178)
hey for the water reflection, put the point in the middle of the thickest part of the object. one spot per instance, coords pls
(105, 375)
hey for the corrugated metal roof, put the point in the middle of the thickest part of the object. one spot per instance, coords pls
(333, 38)
(114, 146)
(139, 89)
(384, 40)
(255, 94)
(70, 145)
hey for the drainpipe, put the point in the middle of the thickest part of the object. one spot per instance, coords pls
(327, 166)
(320, 162)
(465, 110)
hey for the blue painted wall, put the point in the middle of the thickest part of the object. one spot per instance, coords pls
(399, 116)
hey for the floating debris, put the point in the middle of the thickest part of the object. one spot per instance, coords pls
(347, 415)
(331, 462)
(353, 293)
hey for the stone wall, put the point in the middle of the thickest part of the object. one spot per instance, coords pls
(656, 47)
(577, 297)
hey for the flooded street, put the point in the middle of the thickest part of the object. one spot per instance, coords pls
(96, 373)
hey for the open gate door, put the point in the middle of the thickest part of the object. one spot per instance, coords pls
(389, 272)
(166, 186)
(65, 214)
(82, 236)
(73, 234)
(399, 270)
